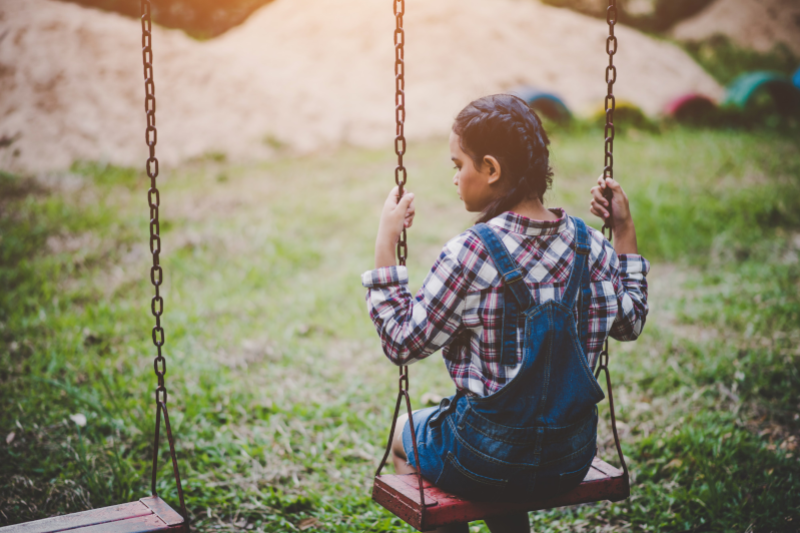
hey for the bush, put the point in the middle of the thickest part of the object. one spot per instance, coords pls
(647, 15)
(202, 19)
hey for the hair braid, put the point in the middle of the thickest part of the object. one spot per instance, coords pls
(504, 127)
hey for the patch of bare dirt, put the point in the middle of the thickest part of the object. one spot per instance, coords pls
(299, 74)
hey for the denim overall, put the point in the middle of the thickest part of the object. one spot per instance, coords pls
(535, 437)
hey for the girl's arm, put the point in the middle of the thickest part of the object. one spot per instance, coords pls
(411, 328)
(627, 268)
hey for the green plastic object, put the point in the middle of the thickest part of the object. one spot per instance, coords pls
(743, 88)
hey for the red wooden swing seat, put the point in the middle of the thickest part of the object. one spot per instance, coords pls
(400, 495)
(148, 514)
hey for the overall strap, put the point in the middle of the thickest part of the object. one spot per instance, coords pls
(580, 279)
(516, 295)
(582, 249)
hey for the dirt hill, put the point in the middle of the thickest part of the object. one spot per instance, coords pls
(303, 73)
(756, 24)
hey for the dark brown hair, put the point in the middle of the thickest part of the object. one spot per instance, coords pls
(504, 127)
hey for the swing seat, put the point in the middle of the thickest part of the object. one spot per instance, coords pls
(400, 495)
(148, 514)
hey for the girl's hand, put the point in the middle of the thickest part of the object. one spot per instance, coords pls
(396, 216)
(621, 213)
(621, 220)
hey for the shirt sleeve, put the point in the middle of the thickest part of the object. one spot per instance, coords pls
(412, 328)
(630, 284)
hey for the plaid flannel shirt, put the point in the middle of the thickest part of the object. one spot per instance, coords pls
(460, 305)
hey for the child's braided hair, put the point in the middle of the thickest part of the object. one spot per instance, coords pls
(505, 127)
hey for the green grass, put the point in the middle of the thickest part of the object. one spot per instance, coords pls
(279, 394)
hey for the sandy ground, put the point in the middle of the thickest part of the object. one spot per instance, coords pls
(306, 74)
(756, 24)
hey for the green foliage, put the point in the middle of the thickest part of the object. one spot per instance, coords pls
(647, 15)
(725, 60)
(628, 118)
(202, 19)
(106, 174)
(279, 395)
(720, 477)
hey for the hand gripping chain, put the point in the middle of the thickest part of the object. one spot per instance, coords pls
(156, 273)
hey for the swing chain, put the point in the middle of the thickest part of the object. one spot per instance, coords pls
(400, 178)
(403, 397)
(156, 272)
(610, 104)
(602, 366)
(608, 172)
(153, 198)
(400, 173)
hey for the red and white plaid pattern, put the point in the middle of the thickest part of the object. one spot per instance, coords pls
(460, 305)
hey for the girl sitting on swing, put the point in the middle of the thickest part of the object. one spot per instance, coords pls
(521, 305)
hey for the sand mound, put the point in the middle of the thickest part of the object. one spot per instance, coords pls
(756, 24)
(308, 73)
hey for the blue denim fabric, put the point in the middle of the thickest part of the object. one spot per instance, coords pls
(537, 435)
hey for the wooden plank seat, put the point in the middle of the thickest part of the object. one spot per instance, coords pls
(148, 514)
(400, 495)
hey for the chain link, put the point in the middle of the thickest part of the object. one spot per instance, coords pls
(400, 173)
(153, 198)
(403, 381)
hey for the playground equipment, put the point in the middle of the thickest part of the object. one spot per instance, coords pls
(151, 513)
(744, 89)
(409, 496)
(690, 107)
(544, 103)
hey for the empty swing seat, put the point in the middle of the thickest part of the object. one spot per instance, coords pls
(148, 514)
(400, 495)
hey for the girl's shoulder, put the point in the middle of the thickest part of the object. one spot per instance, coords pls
(602, 258)
(466, 256)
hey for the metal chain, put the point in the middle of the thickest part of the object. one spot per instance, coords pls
(400, 178)
(608, 133)
(153, 199)
(400, 173)
(608, 172)
(156, 273)
(610, 105)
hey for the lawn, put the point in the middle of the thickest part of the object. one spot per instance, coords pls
(279, 393)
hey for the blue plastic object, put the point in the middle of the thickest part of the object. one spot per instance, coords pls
(796, 79)
(783, 92)
(544, 103)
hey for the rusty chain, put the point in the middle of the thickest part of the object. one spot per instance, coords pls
(153, 199)
(610, 106)
(400, 178)
(608, 172)
(400, 173)
(156, 273)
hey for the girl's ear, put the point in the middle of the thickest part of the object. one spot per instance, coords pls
(491, 167)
